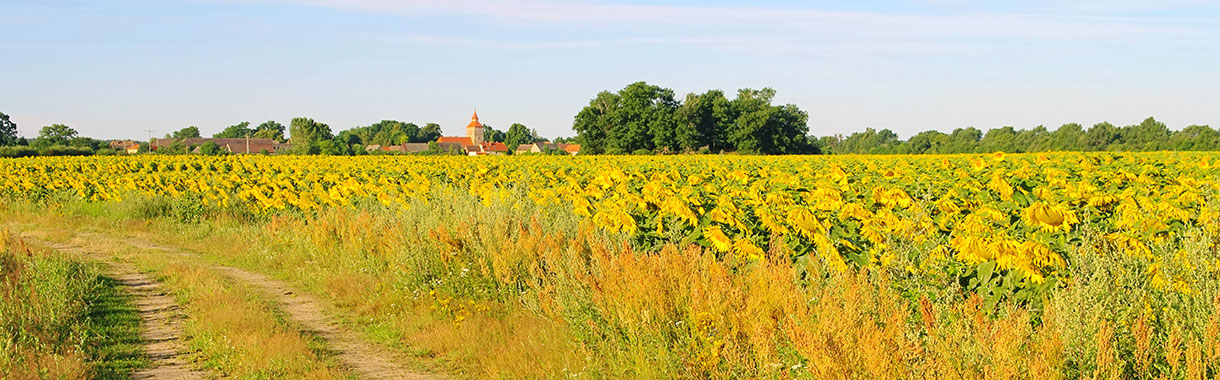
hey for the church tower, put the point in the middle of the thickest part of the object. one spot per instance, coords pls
(474, 130)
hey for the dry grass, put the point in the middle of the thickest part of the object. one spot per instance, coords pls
(234, 330)
(487, 293)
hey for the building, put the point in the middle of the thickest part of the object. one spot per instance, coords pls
(122, 144)
(229, 145)
(572, 149)
(539, 147)
(474, 130)
(472, 143)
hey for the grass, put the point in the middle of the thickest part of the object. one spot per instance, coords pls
(231, 329)
(514, 290)
(62, 319)
(115, 321)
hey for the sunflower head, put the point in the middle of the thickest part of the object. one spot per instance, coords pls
(719, 240)
(1050, 217)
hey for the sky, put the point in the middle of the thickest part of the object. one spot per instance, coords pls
(119, 68)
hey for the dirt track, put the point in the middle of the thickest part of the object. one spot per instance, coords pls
(366, 360)
(162, 328)
(160, 318)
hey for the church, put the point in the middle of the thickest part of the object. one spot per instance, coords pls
(473, 142)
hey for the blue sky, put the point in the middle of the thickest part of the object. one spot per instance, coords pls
(114, 68)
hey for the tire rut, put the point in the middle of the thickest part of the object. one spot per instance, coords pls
(365, 359)
(160, 317)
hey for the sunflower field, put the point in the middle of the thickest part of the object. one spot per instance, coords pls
(1000, 220)
(1093, 255)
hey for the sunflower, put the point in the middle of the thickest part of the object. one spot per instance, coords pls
(1050, 217)
(719, 240)
(746, 248)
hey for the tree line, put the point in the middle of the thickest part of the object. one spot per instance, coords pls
(1149, 135)
(646, 119)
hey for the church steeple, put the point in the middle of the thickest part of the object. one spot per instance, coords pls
(474, 130)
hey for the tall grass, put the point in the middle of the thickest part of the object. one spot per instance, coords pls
(507, 289)
(60, 319)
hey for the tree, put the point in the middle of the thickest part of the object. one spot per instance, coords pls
(209, 149)
(1148, 135)
(704, 121)
(8, 131)
(517, 134)
(1069, 137)
(926, 142)
(762, 128)
(269, 130)
(236, 131)
(1100, 136)
(1195, 137)
(188, 132)
(871, 141)
(640, 116)
(492, 135)
(55, 134)
(596, 124)
(430, 132)
(306, 135)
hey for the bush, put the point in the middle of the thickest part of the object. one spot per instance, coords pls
(60, 150)
(17, 151)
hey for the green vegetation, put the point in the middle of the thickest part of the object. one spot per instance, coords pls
(1149, 135)
(647, 118)
(60, 319)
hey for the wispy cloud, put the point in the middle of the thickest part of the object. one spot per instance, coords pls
(685, 21)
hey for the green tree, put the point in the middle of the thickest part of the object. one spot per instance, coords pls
(188, 132)
(55, 134)
(516, 135)
(1148, 135)
(639, 117)
(1196, 138)
(430, 132)
(999, 140)
(492, 135)
(964, 140)
(210, 149)
(1069, 137)
(269, 130)
(704, 121)
(307, 134)
(766, 129)
(8, 131)
(236, 131)
(926, 142)
(596, 125)
(1100, 137)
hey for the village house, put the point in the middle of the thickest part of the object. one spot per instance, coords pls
(547, 146)
(473, 143)
(124, 145)
(228, 145)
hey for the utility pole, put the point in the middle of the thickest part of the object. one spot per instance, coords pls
(150, 140)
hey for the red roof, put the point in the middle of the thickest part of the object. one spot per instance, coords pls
(572, 148)
(495, 147)
(474, 121)
(465, 141)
